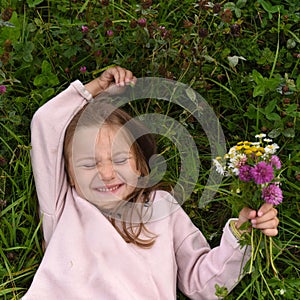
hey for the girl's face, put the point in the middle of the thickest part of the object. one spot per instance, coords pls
(103, 166)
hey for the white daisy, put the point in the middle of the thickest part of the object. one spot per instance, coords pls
(260, 136)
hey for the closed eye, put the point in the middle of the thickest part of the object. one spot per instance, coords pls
(86, 165)
(89, 166)
(121, 161)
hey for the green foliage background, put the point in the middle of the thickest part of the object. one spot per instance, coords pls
(242, 57)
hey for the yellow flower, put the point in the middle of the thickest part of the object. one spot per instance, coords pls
(258, 153)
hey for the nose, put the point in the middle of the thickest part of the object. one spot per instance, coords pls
(106, 171)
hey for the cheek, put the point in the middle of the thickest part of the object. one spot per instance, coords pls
(128, 173)
(84, 177)
(133, 168)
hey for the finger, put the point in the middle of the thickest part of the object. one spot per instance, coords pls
(270, 232)
(264, 209)
(125, 77)
(265, 224)
(114, 74)
(269, 228)
(245, 215)
(120, 76)
(107, 77)
(269, 215)
(128, 76)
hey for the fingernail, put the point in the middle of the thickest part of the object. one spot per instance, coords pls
(260, 214)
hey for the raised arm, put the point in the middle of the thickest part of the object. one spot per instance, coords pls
(47, 135)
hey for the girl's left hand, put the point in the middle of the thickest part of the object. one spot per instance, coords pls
(264, 219)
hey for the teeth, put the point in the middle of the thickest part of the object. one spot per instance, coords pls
(108, 189)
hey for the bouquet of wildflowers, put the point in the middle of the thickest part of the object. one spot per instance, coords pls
(255, 168)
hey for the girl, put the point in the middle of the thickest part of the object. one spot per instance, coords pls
(87, 173)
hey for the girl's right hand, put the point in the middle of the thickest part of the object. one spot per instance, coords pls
(113, 76)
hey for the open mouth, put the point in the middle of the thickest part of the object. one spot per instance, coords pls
(109, 189)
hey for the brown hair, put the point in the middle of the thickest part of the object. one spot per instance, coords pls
(96, 114)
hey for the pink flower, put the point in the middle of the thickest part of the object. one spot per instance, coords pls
(275, 162)
(272, 194)
(84, 29)
(142, 22)
(262, 173)
(2, 89)
(164, 31)
(245, 173)
(83, 69)
(109, 32)
(98, 53)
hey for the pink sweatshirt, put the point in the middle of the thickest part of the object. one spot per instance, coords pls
(86, 258)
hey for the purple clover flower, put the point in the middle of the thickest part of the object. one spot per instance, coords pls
(142, 22)
(2, 89)
(83, 69)
(245, 173)
(98, 53)
(84, 29)
(272, 194)
(109, 32)
(262, 173)
(164, 32)
(275, 162)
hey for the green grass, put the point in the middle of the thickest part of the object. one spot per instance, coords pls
(185, 41)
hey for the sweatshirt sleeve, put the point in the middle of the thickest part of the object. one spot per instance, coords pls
(200, 268)
(48, 127)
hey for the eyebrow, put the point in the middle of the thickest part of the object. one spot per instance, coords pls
(86, 159)
(122, 152)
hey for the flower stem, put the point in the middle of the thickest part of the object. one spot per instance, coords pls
(252, 252)
(255, 246)
(257, 243)
(271, 256)
(267, 285)
(267, 249)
